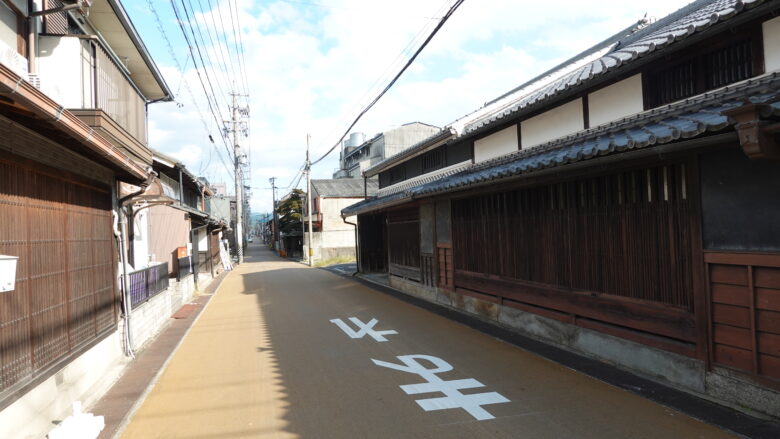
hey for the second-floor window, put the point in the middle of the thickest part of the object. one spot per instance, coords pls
(433, 160)
(704, 67)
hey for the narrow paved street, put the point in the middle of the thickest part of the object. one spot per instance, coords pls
(265, 360)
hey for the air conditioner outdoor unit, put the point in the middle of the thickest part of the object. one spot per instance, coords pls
(34, 80)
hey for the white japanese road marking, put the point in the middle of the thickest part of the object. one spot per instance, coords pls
(454, 398)
(363, 329)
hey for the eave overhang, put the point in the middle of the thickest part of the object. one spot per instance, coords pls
(28, 105)
(753, 100)
(110, 19)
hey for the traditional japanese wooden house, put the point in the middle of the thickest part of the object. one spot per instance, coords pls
(625, 205)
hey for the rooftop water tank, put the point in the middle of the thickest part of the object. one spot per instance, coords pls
(355, 139)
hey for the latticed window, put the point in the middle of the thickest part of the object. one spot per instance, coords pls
(704, 68)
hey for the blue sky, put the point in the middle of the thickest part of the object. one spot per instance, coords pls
(312, 64)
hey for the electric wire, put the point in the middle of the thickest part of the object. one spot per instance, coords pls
(186, 84)
(195, 27)
(221, 34)
(239, 38)
(362, 101)
(443, 20)
(200, 77)
(214, 47)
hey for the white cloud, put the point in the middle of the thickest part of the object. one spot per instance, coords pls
(309, 67)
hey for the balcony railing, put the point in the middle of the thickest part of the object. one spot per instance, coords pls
(79, 73)
(147, 283)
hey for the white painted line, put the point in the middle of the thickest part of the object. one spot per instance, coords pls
(451, 389)
(363, 329)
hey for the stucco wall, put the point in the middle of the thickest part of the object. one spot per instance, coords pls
(772, 44)
(398, 139)
(496, 144)
(65, 74)
(337, 239)
(558, 122)
(616, 101)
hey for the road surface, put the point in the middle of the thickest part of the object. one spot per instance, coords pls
(276, 355)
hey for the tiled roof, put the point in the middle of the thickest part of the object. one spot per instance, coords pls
(682, 120)
(680, 25)
(343, 187)
(423, 179)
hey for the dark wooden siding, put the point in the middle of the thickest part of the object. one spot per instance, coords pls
(733, 185)
(403, 238)
(706, 66)
(744, 291)
(615, 248)
(441, 157)
(373, 250)
(65, 294)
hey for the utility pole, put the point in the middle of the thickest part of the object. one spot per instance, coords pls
(239, 184)
(276, 223)
(308, 197)
(239, 162)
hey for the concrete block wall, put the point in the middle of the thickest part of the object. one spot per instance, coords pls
(85, 379)
(151, 317)
(688, 374)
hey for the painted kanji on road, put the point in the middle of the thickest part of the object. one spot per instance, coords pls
(363, 329)
(454, 398)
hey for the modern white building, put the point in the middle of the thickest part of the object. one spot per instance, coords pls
(358, 154)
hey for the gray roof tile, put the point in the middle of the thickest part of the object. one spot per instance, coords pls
(343, 187)
(693, 18)
(686, 119)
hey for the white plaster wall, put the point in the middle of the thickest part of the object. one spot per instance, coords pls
(84, 379)
(616, 101)
(141, 240)
(558, 122)
(59, 67)
(496, 144)
(7, 26)
(335, 233)
(771, 30)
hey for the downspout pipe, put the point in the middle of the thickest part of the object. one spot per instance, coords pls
(120, 222)
(357, 246)
(193, 238)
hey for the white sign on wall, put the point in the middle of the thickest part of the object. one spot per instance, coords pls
(7, 273)
(363, 329)
(454, 398)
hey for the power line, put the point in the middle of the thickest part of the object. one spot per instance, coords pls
(200, 78)
(194, 26)
(443, 20)
(221, 32)
(396, 60)
(186, 84)
(237, 36)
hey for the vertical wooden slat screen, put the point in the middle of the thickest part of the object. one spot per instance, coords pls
(403, 240)
(117, 97)
(64, 296)
(627, 234)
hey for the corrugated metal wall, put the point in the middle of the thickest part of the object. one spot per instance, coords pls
(64, 296)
